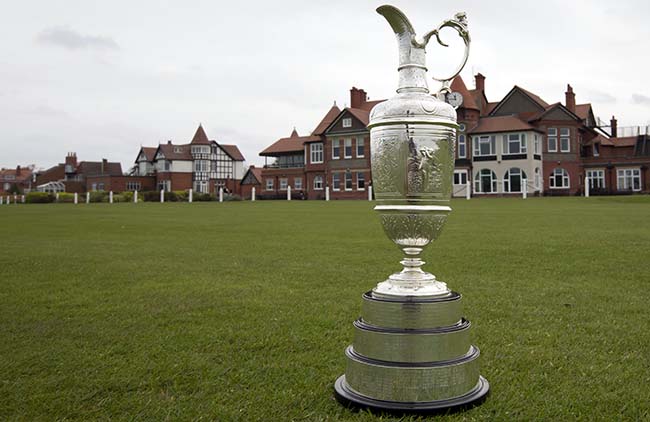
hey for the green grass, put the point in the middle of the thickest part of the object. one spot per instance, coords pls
(242, 311)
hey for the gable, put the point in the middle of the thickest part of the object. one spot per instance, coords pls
(250, 179)
(337, 124)
(141, 157)
(558, 113)
(514, 103)
(159, 156)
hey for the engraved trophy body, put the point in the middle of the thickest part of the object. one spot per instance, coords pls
(411, 349)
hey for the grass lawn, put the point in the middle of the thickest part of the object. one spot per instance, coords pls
(242, 311)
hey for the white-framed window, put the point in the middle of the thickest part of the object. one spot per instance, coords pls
(100, 186)
(536, 145)
(361, 148)
(316, 150)
(460, 177)
(513, 180)
(201, 166)
(514, 143)
(552, 139)
(538, 178)
(336, 149)
(462, 146)
(485, 181)
(628, 179)
(361, 181)
(165, 185)
(133, 186)
(269, 184)
(347, 150)
(347, 122)
(283, 183)
(167, 165)
(565, 139)
(318, 183)
(336, 181)
(348, 180)
(94, 187)
(202, 186)
(484, 145)
(462, 127)
(297, 183)
(596, 178)
(178, 150)
(559, 179)
(596, 150)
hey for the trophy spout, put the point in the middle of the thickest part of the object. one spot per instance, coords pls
(412, 61)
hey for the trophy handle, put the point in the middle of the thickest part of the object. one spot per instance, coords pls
(459, 23)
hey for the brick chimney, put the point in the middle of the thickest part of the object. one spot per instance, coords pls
(570, 99)
(357, 97)
(104, 165)
(71, 160)
(17, 171)
(479, 81)
(613, 126)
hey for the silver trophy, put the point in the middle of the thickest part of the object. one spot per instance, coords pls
(411, 349)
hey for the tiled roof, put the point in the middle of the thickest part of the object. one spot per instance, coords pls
(329, 118)
(361, 114)
(25, 174)
(490, 107)
(96, 168)
(627, 141)
(172, 152)
(534, 97)
(293, 143)
(582, 110)
(458, 85)
(149, 152)
(500, 124)
(256, 172)
(200, 138)
(233, 151)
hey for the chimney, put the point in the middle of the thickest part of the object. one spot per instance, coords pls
(357, 97)
(17, 171)
(71, 160)
(104, 165)
(613, 126)
(570, 99)
(479, 81)
(169, 142)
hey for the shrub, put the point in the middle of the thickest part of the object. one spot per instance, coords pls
(150, 196)
(183, 195)
(171, 197)
(65, 197)
(39, 198)
(202, 197)
(98, 196)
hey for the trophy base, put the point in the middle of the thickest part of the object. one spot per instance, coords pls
(351, 399)
(412, 354)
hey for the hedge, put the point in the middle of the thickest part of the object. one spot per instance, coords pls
(39, 198)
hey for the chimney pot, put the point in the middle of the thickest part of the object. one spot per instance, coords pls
(614, 127)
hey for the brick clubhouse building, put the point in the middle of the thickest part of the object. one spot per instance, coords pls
(520, 142)
(202, 164)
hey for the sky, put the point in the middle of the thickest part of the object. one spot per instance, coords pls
(102, 78)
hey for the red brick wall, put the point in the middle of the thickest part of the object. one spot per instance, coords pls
(119, 183)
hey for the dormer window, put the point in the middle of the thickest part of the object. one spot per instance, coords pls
(347, 122)
(178, 150)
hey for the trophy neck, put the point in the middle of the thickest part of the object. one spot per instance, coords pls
(412, 78)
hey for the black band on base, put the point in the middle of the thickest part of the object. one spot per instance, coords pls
(349, 398)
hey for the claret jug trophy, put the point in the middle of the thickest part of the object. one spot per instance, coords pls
(411, 349)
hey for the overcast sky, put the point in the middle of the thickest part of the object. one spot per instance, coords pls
(102, 78)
